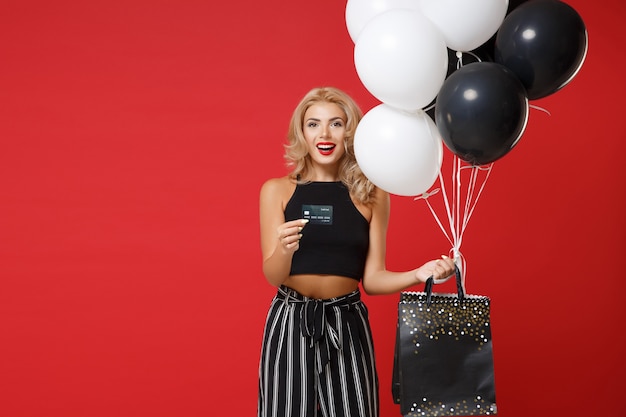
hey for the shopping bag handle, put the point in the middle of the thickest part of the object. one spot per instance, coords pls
(428, 287)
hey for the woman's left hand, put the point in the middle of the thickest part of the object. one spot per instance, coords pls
(437, 268)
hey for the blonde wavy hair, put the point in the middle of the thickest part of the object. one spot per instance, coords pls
(296, 152)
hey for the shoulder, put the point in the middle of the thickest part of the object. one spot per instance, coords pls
(278, 189)
(278, 185)
(380, 199)
(381, 195)
(380, 204)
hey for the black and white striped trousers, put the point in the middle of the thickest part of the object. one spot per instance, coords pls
(317, 358)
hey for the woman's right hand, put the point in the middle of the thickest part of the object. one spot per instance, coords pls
(289, 235)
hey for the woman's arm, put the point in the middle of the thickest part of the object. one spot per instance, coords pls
(377, 279)
(279, 239)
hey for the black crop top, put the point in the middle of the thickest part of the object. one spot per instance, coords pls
(336, 238)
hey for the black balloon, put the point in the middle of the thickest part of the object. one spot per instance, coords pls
(544, 42)
(481, 112)
(486, 50)
(514, 4)
(454, 63)
(484, 53)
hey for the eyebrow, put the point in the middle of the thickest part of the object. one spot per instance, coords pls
(315, 119)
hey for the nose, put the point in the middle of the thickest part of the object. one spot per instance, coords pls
(325, 131)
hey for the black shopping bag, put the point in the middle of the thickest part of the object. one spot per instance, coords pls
(443, 365)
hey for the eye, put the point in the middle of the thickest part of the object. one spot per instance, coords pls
(311, 124)
(337, 124)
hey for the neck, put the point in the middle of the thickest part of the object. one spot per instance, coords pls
(321, 175)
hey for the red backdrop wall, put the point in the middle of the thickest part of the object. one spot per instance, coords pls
(134, 138)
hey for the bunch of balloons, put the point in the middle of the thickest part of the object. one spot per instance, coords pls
(405, 53)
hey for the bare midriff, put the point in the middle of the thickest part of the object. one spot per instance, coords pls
(321, 286)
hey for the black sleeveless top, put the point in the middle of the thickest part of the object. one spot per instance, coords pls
(336, 238)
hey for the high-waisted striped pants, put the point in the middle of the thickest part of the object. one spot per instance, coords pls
(317, 358)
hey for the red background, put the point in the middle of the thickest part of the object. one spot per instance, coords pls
(134, 138)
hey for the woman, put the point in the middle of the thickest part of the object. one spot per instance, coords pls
(323, 231)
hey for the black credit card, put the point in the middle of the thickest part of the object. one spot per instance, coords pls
(318, 214)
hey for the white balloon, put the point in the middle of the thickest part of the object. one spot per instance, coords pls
(465, 24)
(398, 151)
(359, 12)
(401, 59)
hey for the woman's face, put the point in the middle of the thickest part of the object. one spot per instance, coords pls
(324, 129)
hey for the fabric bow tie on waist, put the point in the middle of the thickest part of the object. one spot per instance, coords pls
(314, 323)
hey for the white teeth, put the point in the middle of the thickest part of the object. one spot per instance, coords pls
(325, 147)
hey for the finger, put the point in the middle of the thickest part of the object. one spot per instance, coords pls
(436, 271)
(449, 262)
(291, 231)
(446, 263)
(288, 241)
(442, 269)
(439, 272)
(291, 227)
(293, 245)
(296, 223)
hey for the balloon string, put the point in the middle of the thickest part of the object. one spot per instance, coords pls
(471, 201)
(471, 186)
(449, 209)
(459, 58)
(457, 202)
(458, 212)
(532, 106)
(474, 55)
(425, 196)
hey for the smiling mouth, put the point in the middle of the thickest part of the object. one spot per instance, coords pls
(326, 148)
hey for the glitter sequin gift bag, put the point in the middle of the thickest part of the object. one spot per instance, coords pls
(443, 364)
